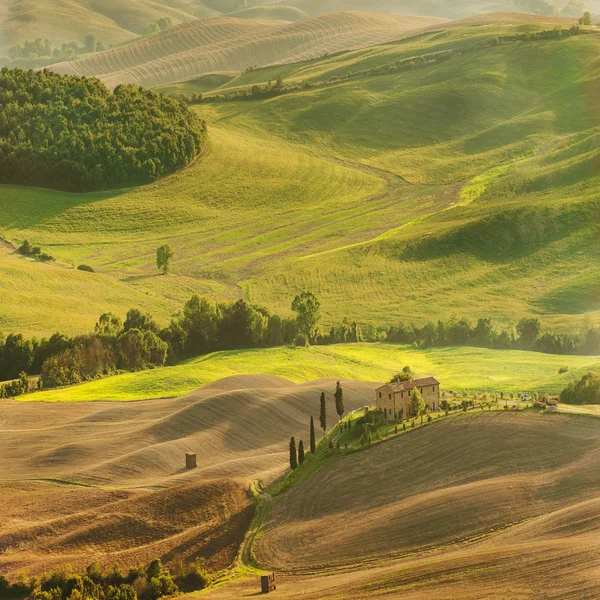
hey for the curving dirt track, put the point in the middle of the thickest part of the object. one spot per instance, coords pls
(106, 481)
(489, 505)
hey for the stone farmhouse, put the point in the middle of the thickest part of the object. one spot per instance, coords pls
(393, 398)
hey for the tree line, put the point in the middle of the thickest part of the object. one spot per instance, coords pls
(71, 133)
(202, 327)
(42, 52)
(528, 335)
(149, 582)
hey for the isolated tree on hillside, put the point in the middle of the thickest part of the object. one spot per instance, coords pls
(301, 452)
(164, 254)
(339, 400)
(417, 404)
(313, 441)
(307, 308)
(586, 19)
(323, 416)
(293, 455)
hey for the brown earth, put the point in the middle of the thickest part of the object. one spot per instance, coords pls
(106, 481)
(487, 505)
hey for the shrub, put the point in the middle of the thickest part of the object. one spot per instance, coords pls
(300, 341)
(45, 257)
(195, 577)
(562, 370)
(584, 391)
(86, 268)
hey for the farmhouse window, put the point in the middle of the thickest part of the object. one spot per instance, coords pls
(421, 390)
(389, 396)
(380, 394)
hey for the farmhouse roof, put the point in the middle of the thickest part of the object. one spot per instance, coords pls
(403, 386)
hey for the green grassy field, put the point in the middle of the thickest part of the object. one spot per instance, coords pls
(467, 187)
(474, 369)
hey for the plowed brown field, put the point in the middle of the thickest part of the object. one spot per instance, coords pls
(106, 481)
(490, 505)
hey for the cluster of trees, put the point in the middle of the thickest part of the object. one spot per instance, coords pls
(584, 391)
(529, 336)
(41, 52)
(26, 249)
(149, 582)
(72, 133)
(158, 26)
(269, 90)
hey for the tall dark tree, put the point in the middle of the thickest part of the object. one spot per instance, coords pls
(313, 441)
(323, 416)
(339, 400)
(293, 455)
(301, 452)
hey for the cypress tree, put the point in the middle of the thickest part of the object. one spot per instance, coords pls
(323, 413)
(293, 456)
(313, 442)
(301, 452)
(339, 400)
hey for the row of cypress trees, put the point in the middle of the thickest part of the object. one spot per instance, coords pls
(297, 456)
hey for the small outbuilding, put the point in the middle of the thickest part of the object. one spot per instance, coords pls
(267, 583)
(190, 460)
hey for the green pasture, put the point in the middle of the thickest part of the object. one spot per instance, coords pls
(466, 187)
(474, 369)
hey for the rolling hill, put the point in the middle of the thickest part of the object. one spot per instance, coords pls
(466, 186)
(118, 21)
(106, 480)
(446, 511)
(233, 45)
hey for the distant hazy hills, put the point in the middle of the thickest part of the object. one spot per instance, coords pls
(117, 21)
(227, 44)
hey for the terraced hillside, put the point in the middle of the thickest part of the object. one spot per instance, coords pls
(233, 45)
(107, 480)
(447, 511)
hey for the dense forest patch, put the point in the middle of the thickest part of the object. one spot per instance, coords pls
(72, 133)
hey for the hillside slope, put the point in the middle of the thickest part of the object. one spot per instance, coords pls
(108, 480)
(446, 174)
(445, 512)
(233, 45)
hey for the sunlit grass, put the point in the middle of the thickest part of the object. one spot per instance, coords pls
(456, 368)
